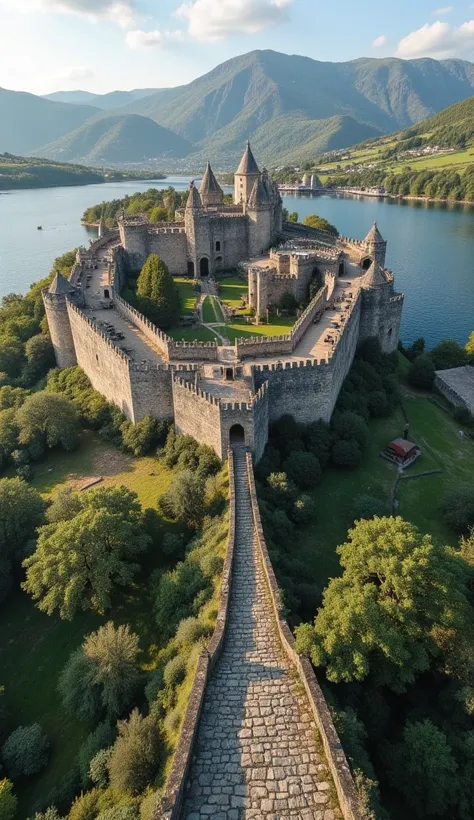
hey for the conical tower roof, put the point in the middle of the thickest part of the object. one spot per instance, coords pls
(374, 236)
(267, 184)
(247, 163)
(194, 200)
(259, 195)
(374, 277)
(209, 184)
(59, 286)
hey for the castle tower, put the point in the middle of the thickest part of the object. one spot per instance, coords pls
(260, 213)
(197, 235)
(246, 176)
(210, 191)
(375, 245)
(102, 228)
(55, 303)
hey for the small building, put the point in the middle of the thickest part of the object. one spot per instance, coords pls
(401, 451)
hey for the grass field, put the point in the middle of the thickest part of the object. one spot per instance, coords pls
(238, 328)
(34, 647)
(191, 334)
(437, 434)
(231, 290)
(212, 311)
(188, 294)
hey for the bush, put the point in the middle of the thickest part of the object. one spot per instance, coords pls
(135, 754)
(102, 737)
(317, 438)
(26, 751)
(378, 404)
(346, 454)
(124, 812)
(368, 506)
(303, 510)
(8, 801)
(99, 768)
(448, 354)
(178, 595)
(422, 372)
(139, 438)
(211, 565)
(189, 632)
(457, 508)
(350, 427)
(174, 672)
(184, 500)
(304, 469)
(86, 806)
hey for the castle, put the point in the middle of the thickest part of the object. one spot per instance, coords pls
(220, 393)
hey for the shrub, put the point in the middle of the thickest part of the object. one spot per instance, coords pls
(174, 672)
(184, 500)
(317, 438)
(448, 354)
(139, 438)
(99, 768)
(346, 453)
(457, 508)
(189, 632)
(178, 595)
(368, 506)
(127, 812)
(102, 737)
(8, 801)
(350, 427)
(135, 754)
(304, 469)
(86, 806)
(211, 565)
(49, 814)
(49, 420)
(303, 510)
(377, 403)
(422, 372)
(26, 751)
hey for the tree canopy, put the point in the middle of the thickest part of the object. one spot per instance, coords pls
(78, 562)
(321, 224)
(380, 618)
(158, 293)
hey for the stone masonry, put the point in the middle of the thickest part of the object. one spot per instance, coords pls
(257, 754)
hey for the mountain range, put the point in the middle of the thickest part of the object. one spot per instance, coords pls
(292, 108)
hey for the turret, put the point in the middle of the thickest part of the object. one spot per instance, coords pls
(259, 210)
(210, 191)
(55, 303)
(246, 176)
(375, 245)
(194, 200)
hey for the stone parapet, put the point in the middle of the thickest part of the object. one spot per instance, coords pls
(336, 758)
(153, 333)
(118, 352)
(169, 804)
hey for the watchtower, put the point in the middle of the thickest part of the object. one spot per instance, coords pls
(246, 176)
(55, 304)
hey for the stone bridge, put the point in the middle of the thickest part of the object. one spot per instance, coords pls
(258, 740)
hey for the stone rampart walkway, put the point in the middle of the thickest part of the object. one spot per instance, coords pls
(256, 754)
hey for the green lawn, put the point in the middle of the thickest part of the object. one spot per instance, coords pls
(238, 328)
(231, 290)
(192, 334)
(188, 294)
(419, 499)
(35, 647)
(212, 311)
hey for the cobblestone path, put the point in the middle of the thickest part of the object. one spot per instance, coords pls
(256, 754)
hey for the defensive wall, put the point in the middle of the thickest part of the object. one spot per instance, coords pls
(209, 419)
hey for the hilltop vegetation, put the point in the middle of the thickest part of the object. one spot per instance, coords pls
(23, 172)
(159, 206)
(117, 140)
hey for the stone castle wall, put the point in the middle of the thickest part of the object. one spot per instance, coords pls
(157, 338)
(171, 247)
(105, 365)
(197, 414)
(151, 392)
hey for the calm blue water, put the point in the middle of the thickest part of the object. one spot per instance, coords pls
(430, 247)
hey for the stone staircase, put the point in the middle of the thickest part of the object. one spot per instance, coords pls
(256, 754)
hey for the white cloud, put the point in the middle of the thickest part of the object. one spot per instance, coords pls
(439, 40)
(380, 42)
(119, 11)
(216, 19)
(75, 73)
(441, 12)
(149, 39)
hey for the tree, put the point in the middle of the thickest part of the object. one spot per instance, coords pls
(85, 807)
(381, 618)
(422, 372)
(21, 512)
(139, 438)
(65, 505)
(288, 303)
(25, 752)
(470, 346)
(48, 420)
(303, 510)
(135, 754)
(304, 469)
(158, 292)
(184, 500)
(12, 397)
(346, 453)
(99, 739)
(78, 562)
(99, 768)
(350, 427)
(321, 224)
(448, 354)
(369, 506)
(39, 356)
(8, 801)
(423, 768)
(415, 350)
(11, 356)
(317, 438)
(102, 675)
(457, 508)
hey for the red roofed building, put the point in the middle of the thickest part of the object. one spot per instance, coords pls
(401, 451)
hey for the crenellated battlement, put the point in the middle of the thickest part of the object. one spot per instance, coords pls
(92, 325)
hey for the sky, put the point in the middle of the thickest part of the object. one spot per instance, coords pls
(103, 45)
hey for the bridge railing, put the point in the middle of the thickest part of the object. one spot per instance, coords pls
(336, 758)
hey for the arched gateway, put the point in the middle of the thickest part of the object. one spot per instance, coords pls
(236, 434)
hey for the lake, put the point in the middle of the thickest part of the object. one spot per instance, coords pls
(430, 246)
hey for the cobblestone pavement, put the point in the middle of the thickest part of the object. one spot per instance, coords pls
(256, 754)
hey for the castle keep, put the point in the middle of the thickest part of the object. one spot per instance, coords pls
(222, 393)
